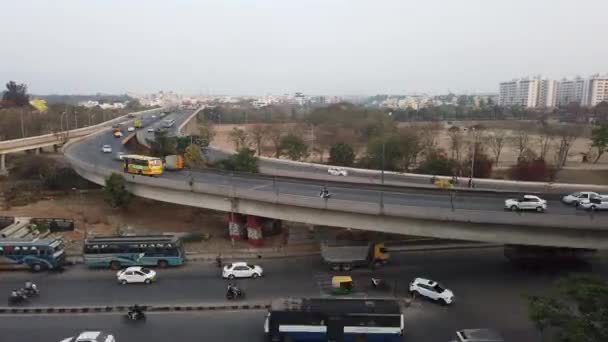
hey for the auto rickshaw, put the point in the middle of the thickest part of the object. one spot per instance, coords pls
(341, 285)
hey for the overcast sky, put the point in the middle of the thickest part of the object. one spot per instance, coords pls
(314, 46)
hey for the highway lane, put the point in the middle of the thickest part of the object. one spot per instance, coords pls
(489, 291)
(88, 151)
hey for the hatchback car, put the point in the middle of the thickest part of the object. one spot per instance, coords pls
(91, 336)
(131, 129)
(136, 274)
(337, 171)
(241, 270)
(106, 149)
(527, 202)
(431, 289)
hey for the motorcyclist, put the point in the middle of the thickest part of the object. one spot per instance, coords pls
(233, 291)
(324, 193)
(136, 312)
(30, 287)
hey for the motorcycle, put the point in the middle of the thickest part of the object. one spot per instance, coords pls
(234, 293)
(30, 289)
(325, 195)
(17, 297)
(380, 284)
(136, 315)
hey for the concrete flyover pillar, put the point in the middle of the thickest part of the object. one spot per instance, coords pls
(3, 170)
(254, 230)
(236, 227)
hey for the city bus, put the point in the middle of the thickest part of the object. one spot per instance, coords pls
(143, 250)
(334, 319)
(35, 254)
(142, 165)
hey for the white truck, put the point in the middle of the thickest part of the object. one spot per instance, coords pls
(345, 255)
(576, 198)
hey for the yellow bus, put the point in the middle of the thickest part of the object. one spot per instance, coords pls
(142, 165)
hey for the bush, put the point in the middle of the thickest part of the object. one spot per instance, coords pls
(438, 164)
(341, 154)
(116, 191)
(534, 170)
(243, 161)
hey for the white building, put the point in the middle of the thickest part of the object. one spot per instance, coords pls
(547, 93)
(569, 91)
(522, 92)
(595, 90)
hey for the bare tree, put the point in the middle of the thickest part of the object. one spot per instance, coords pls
(238, 136)
(456, 142)
(429, 134)
(258, 134)
(521, 141)
(275, 135)
(496, 140)
(545, 138)
(567, 135)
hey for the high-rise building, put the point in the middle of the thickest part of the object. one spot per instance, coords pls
(569, 91)
(547, 93)
(522, 92)
(595, 90)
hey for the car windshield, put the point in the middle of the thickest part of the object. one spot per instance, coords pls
(145, 270)
(438, 288)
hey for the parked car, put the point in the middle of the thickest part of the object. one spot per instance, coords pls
(150, 130)
(91, 336)
(136, 274)
(526, 202)
(241, 270)
(106, 149)
(577, 197)
(478, 335)
(431, 289)
(337, 171)
(593, 204)
(131, 129)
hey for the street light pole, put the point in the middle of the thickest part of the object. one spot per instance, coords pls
(382, 162)
(473, 156)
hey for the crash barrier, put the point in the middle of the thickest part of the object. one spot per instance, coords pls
(54, 225)
(148, 308)
(6, 221)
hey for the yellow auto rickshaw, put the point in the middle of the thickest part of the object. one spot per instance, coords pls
(341, 285)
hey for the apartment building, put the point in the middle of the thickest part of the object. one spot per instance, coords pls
(569, 91)
(595, 90)
(522, 92)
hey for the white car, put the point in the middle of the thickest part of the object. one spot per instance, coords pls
(478, 335)
(136, 274)
(337, 171)
(578, 197)
(594, 204)
(432, 289)
(527, 202)
(153, 116)
(131, 129)
(91, 336)
(150, 130)
(241, 270)
(106, 149)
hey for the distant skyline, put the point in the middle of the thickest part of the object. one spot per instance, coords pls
(334, 47)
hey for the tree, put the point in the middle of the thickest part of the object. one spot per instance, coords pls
(496, 141)
(599, 140)
(116, 191)
(387, 148)
(294, 147)
(238, 137)
(16, 95)
(576, 309)
(438, 163)
(162, 145)
(242, 161)
(456, 142)
(275, 134)
(258, 134)
(410, 146)
(482, 165)
(567, 136)
(521, 141)
(206, 131)
(193, 157)
(133, 104)
(545, 138)
(341, 154)
(535, 170)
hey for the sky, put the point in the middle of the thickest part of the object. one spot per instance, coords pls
(332, 47)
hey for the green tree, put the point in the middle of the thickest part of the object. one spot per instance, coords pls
(242, 161)
(162, 145)
(275, 134)
(599, 140)
(341, 154)
(574, 310)
(16, 95)
(133, 104)
(193, 157)
(258, 134)
(438, 164)
(116, 191)
(389, 148)
(294, 147)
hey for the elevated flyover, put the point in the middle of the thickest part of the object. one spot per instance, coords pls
(469, 215)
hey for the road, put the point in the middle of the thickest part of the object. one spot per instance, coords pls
(89, 150)
(489, 293)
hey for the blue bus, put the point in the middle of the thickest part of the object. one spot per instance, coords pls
(136, 250)
(334, 319)
(35, 254)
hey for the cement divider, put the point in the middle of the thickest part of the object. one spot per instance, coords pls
(148, 308)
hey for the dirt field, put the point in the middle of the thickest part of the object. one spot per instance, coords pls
(508, 155)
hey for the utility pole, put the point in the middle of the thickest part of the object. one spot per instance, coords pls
(75, 118)
(473, 156)
(22, 124)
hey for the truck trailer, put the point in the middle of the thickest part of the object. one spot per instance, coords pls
(345, 255)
